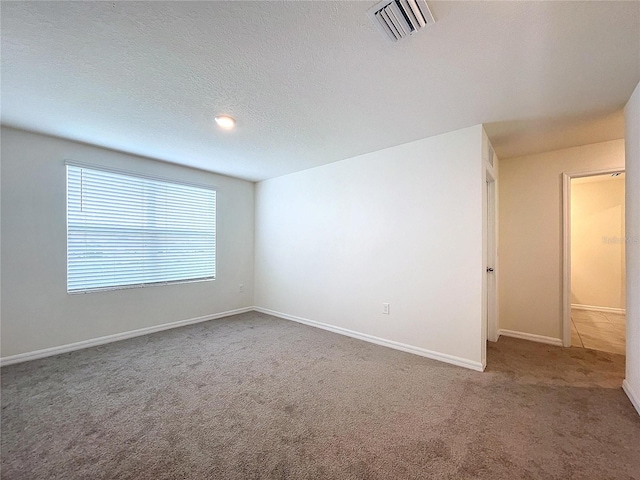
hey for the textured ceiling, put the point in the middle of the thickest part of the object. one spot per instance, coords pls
(314, 82)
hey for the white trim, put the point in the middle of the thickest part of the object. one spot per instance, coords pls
(492, 261)
(566, 244)
(531, 337)
(442, 357)
(595, 308)
(566, 259)
(48, 352)
(633, 396)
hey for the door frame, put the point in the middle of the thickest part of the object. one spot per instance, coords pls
(491, 260)
(566, 244)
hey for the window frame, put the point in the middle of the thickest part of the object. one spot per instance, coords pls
(142, 176)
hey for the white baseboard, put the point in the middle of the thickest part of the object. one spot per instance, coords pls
(633, 396)
(594, 308)
(531, 337)
(48, 352)
(442, 357)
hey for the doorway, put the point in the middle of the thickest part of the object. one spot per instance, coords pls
(594, 257)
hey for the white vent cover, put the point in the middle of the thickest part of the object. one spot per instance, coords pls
(400, 18)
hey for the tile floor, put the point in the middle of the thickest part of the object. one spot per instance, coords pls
(598, 331)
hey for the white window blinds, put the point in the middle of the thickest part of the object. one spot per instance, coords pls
(128, 231)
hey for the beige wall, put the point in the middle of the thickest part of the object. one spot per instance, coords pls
(530, 233)
(597, 242)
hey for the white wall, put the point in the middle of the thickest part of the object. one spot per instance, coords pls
(530, 233)
(401, 225)
(632, 144)
(38, 313)
(597, 242)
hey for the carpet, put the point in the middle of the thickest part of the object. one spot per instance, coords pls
(257, 397)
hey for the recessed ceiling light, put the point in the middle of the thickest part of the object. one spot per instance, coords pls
(225, 122)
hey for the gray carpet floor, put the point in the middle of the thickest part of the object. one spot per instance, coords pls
(256, 397)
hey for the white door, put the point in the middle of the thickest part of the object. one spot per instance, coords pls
(492, 310)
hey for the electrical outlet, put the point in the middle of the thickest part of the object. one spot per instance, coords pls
(241, 288)
(385, 308)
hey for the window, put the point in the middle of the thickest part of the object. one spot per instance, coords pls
(128, 231)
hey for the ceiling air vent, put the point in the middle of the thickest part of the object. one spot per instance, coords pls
(400, 18)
